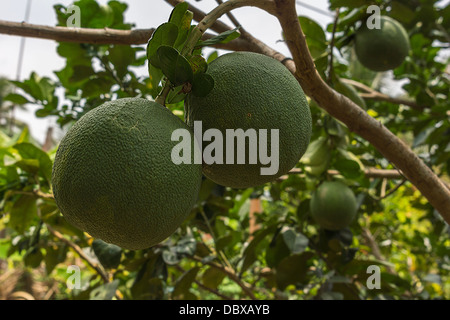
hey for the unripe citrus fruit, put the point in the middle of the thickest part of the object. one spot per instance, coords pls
(252, 91)
(113, 176)
(382, 49)
(333, 205)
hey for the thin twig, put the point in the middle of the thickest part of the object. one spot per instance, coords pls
(368, 172)
(231, 17)
(80, 252)
(372, 244)
(375, 95)
(36, 193)
(202, 286)
(392, 191)
(108, 68)
(211, 231)
(246, 288)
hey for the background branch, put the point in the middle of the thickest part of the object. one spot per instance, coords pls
(368, 172)
(80, 252)
(246, 288)
(96, 36)
(202, 286)
(375, 95)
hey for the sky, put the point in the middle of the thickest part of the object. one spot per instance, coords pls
(40, 55)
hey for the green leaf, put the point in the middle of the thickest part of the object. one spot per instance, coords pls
(22, 213)
(28, 165)
(165, 35)
(121, 56)
(223, 242)
(108, 254)
(184, 283)
(293, 270)
(317, 152)
(30, 151)
(250, 253)
(212, 277)
(16, 98)
(352, 17)
(105, 292)
(198, 64)
(184, 29)
(295, 241)
(276, 251)
(103, 17)
(213, 56)
(155, 75)
(348, 168)
(223, 37)
(174, 66)
(81, 73)
(177, 14)
(334, 4)
(33, 257)
(202, 84)
(95, 87)
(53, 256)
(315, 36)
(175, 95)
(350, 92)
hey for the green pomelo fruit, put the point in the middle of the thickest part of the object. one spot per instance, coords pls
(333, 205)
(382, 49)
(252, 91)
(114, 178)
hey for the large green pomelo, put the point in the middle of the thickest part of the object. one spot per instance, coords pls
(113, 176)
(382, 49)
(252, 91)
(333, 205)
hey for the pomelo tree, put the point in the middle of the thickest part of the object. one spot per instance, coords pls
(391, 152)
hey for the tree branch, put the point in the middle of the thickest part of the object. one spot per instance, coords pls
(231, 16)
(80, 35)
(96, 36)
(80, 252)
(368, 172)
(375, 95)
(356, 119)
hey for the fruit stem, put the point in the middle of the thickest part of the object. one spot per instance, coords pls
(161, 98)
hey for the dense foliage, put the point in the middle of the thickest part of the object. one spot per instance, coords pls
(254, 243)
